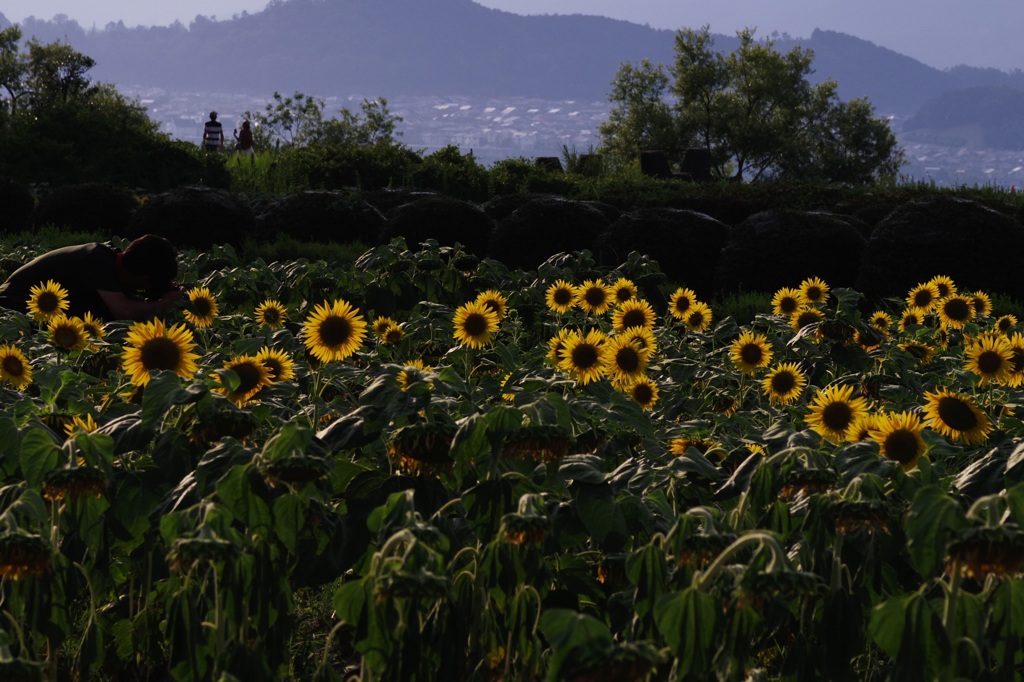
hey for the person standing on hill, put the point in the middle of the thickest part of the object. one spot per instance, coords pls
(244, 138)
(213, 134)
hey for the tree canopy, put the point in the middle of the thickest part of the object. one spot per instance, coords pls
(754, 108)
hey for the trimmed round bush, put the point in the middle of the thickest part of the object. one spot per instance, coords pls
(194, 217)
(781, 248)
(442, 218)
(979, 247)
(88, 207)
(325, 216)
(543, 227)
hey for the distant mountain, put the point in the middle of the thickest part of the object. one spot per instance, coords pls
(984, 116)
(453, 47)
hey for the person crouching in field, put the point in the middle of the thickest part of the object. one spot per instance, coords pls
(102, 280)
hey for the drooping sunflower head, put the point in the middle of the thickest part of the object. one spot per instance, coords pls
(14, 366)
(624, 361)
(814, 290)
(922, 298)
(633, 312)
(955, 311)
(271, 314)
(943, 285)
(413, 371)
(280, 366)
(251, 374)
(47, 299)
(784, 384)
(152, 346)
(496, 301)
(203, 307)
(623, 290)
(334, 331)
(644, 391)
(594, 296)
(750, 352)
(555, 345)
(956, 417)
(990, 357)
(560, 296)
(67, 333)
(392, 335)
(475, 324)
(93, 326)
(898, 435)
(698, 317)
(583, 355)
(786, 301)
(920, 350)
(981, 302)
(680, 303)
(1006, 323)
(80, 424)
(833, 411)
(910, 318)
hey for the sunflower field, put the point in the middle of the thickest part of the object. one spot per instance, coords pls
(428, 466)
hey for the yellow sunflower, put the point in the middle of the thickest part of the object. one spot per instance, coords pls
(412, 372)
(280, 366)
(750, 352)
(392, 335)
(205, 307)
(680, 303)
(833, 411)
(861, 428)
(47, 299)
(644, 391)
(152, 346)
(943, 285)
(922, 298)
(555, 345)
(14, 366)
(560, 296)
(956, 417)
(642, 337)
(634, 312)
(1016, 378)
(955, 311)
(79, 424)
(784, 384)
(594, 296)
(493, 299)
(475, 324)
(583, 355)
(93, 326)
(911, 317)
(804, 317)
(814, 290)
(67, 333)
(898, 435)
(981, 302)
(252, 375)
(333, 331)
(882, 321)
(624, 361)
(990, 356)
(623, 290)
(271, 314)
(698, 318)
(786, 301)
(1006, 323)
(381, 324)
(920, 350)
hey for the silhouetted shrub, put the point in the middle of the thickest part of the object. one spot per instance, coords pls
(326, 216)
(89, 207)
(442, 218)
(979, 247)
(502, 206)
(194, 217)
(452, 173)
(781, 248)
(16, 205)
(543, 227)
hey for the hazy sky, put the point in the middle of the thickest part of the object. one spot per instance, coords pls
(940, 33)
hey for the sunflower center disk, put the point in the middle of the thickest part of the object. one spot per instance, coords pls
(160, 353)
(13, 366)
(584, 356)
(751, 354)
(47, 302)
(634, 318)
(837, 417)
(65, 337)
(901, 446)
(475, 325)
(958, 310)
(957, 415)
(627, 360)
(335, 331)
(990, 362)
(249, 377)
(783, 383)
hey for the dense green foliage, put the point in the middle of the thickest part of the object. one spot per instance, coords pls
(57, 126)
(755, 109)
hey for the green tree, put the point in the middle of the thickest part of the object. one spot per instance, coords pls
(14, 71)
(755, 109)
(299, 121)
